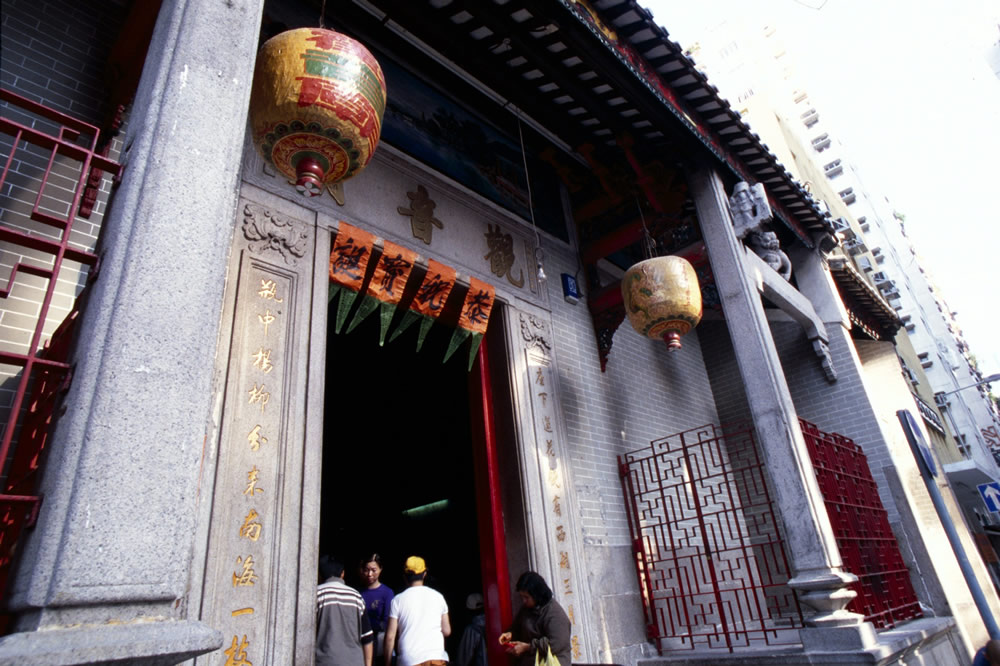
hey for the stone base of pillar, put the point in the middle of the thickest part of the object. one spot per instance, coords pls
(145, 644)
(932, 640)
(838, 639)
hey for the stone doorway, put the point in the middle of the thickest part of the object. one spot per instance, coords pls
(400, 462)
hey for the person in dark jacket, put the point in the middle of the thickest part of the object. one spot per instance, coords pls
(539, 626)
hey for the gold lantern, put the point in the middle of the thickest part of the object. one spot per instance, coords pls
(316, 106)
(662, 298)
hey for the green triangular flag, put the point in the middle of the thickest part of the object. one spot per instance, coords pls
(334, 290)
(409, 318)
(344, 307)
(368, 305)
(457, 338)
(387, 312)
(477, 339)
(425, 325)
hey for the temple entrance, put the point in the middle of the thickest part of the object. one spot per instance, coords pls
(402, 474)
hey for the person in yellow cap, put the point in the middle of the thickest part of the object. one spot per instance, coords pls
(419, 617)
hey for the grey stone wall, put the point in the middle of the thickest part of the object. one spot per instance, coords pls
(646, 393)
(727, 384)
(54, 52)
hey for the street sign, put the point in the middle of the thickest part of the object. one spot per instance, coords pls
(991, 495)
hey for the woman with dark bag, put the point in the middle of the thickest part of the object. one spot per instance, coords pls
(541, 629)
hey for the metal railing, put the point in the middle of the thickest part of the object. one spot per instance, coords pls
(49, 159)
(860, 523)
(710, 558)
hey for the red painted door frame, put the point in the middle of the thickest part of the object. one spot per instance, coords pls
(489, 511)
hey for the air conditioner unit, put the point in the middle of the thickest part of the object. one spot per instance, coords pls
(856, 246)
(940, 399)
(880, 277)
(864, 263)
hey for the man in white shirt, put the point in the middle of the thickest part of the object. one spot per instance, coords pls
(419, 617)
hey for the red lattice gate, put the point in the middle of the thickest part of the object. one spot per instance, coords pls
(50, 168)
(867, 544)
(710, 559)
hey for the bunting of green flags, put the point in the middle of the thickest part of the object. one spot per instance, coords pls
(349, 257)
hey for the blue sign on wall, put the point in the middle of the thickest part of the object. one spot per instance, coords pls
(991, 495)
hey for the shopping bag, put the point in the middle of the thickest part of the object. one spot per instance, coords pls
(547, 660)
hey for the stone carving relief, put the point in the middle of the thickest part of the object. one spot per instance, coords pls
(826, 359)
(501, 254)
(421, 213)
(533, 330)
(749, 208)
(268, 232)
(766, 245)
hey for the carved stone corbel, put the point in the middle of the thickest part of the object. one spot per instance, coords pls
(268, 232)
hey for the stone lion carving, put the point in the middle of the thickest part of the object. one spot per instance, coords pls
(766, 245)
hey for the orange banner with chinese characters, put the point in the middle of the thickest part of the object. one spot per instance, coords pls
(474, 318)
(386, 286)
(428, 302)
(434, 290)
(392, 272)
(351, 250)
(477, 307)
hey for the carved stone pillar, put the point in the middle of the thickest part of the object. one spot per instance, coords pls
(105, 573)
(812, 549)
(549, 500)
(260, 491)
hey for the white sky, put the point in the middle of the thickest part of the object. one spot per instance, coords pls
(906, 87)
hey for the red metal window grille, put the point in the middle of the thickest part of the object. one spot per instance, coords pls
(860, 523)
(48, 158)
(711, 561)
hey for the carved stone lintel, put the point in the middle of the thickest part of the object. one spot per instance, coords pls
(268, 232)
(823, 352)
(533, 330)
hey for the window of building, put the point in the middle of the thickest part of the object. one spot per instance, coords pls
(963, 446)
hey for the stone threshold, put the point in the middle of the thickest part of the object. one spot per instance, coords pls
(893, 645)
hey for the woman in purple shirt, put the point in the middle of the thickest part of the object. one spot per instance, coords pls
(377, 599)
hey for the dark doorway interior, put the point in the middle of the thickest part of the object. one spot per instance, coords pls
(396, 438)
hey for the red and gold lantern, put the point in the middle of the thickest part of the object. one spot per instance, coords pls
(316, 106)
(662, 298)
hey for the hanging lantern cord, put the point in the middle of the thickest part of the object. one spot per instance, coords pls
(322, 15)
(648, 245)
(539, 254)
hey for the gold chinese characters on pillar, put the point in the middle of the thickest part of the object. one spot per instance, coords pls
(543, 407)
(243, 534)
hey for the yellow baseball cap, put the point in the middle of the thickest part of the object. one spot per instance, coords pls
(415, 565)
